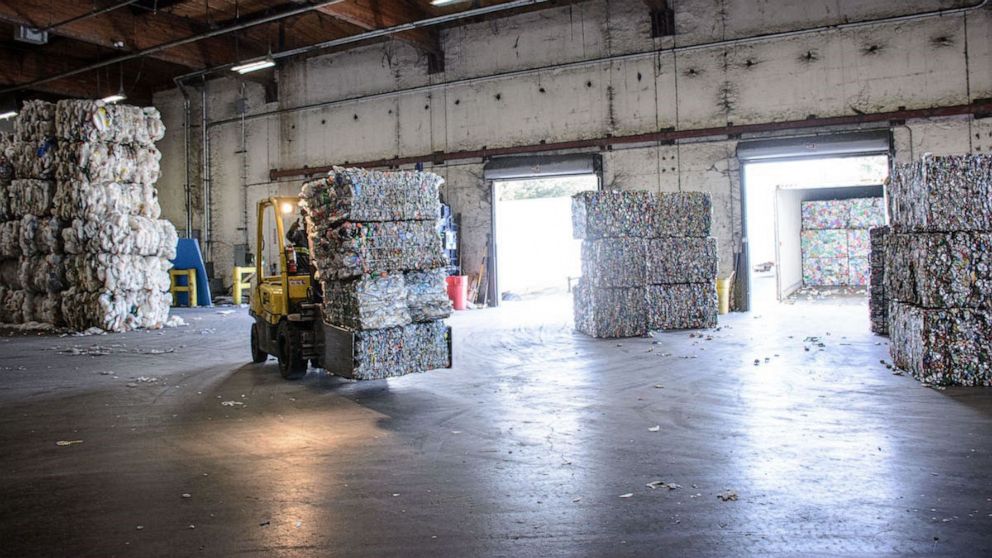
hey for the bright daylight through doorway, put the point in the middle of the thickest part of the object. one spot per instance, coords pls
(785, 256)
(536, 255)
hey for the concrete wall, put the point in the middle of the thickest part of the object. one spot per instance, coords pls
(504, 85)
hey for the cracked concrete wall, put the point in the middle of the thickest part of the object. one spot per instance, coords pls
(503, 85)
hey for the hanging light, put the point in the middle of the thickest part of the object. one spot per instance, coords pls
(8, 114)
(119, 96)
(255, 65)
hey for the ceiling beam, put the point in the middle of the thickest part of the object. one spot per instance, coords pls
(377, 14)
(137, 31)
(19, 66)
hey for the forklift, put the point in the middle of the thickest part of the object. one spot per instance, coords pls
(286, 297)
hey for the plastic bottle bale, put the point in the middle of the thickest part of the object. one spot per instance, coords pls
(35, 160)
(684, 214)
(351, 194)
(682, 306)
(107, 162)
(115, 272)
(369, 302)
(10, 239)
(942, 346)
(614, 262)
(35, 121)
(29, 230)
(151, 310)
(4, 292)
(681, 260)
(88, 200)
(609, 313)
(6, 175)
(110, 236)
(14, 306)
(426, 295)
(354, 249)
(168, 239)
(48, 237)
(946, 193)
(612, 214)
(96, 121)
(940, 270)
(50, 311)
(10, 273)
(42, 274)
(29, 196)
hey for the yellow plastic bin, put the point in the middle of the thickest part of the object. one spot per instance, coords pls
(723, 286)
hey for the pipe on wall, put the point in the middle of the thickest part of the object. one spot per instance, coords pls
(187, 187)
(606, 143)
(205, 175)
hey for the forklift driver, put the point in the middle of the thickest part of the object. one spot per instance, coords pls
(297, 238)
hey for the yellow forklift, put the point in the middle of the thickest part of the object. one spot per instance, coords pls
(284, 297)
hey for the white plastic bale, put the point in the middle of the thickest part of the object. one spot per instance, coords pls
(10, 239)
(34, 159)
(107, 162)
(14, 306)
(112, 272)
(115, 310)
(40, 236)
(42, 274)
(10, 273)
(35, 121)
(88, 200)
(6, 174)
(168, 239)
(96, 121)
(30, 196)
(109, 236)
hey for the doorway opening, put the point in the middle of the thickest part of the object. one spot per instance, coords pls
(807, 228)
(536, 255)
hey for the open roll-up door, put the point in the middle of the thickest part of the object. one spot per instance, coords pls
(846, 144)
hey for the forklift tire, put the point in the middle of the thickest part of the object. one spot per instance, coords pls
(292, 365)
(257, 355)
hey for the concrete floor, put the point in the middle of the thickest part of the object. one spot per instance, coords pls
(526, 448)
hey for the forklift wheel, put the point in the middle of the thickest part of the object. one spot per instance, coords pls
(257, 355)
(292, 365)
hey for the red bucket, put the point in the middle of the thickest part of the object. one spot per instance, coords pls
(457, 290)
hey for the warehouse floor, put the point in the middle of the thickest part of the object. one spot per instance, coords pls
(539, 442)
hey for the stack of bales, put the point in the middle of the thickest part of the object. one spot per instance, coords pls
(380, 263)
(939, 269)
(835, 240)
(84, 212)
(878, 298)
(647, 262)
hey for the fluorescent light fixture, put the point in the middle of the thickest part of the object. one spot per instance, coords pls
(445, 2)
(254, 66)
(8, 114)
(114, 98)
